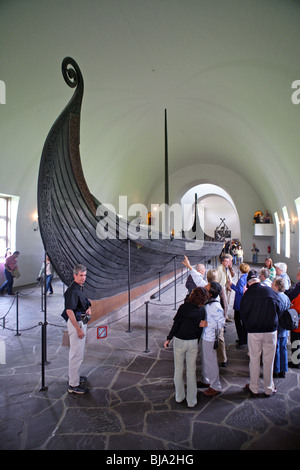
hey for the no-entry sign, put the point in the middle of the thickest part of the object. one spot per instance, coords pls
(101, 332)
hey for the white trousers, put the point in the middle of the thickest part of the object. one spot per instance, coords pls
(76, 352)
(210, 366)
(185, 352)
(262, 344)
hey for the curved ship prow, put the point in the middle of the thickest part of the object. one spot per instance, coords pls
(68, 216)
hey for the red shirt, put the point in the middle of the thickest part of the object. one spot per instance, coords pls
(11, 262)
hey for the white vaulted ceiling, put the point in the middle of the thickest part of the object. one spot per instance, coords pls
(223, 69)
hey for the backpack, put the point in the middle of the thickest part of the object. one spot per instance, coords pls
(190, 284)
(289, 319)
(296, 305)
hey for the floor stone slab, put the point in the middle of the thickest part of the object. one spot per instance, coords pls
(131, 403)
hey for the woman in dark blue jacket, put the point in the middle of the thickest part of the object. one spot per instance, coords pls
(239, 289)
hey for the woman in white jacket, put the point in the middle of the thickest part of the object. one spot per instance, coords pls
(215, 321)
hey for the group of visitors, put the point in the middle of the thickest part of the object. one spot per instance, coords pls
(235, 249)
(201, 316)
(260, 299)
(260, 218)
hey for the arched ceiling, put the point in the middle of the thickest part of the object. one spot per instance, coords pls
(223, 69)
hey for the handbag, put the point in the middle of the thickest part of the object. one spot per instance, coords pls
(216, 342)
(16, 273)
(289, 319)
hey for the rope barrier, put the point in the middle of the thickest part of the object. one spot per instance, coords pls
(40, 284)
(167, 305)
(4, 316)
(45, 323)
(90, 327)
(25, 294)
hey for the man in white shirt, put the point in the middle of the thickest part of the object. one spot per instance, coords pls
(225, 277)
(197, 273)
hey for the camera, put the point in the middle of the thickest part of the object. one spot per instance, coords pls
(85, 318)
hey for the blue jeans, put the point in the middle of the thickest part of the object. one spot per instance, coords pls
(48, 284)
(185, 351)
(281, 356)
(9, 282)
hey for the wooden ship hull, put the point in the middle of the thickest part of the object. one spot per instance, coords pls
(68, 219)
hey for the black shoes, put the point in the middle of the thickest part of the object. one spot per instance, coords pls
(251, 394)
(279, 375)
(202, 385)
(80, 389)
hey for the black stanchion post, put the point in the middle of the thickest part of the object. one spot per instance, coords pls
(45, 310)
(159, 286)
(147, 304)
(175, 283)
(17, 314)
(45, 307)
(42, 296)
(43, 387)
(129, 306)
(45, 288)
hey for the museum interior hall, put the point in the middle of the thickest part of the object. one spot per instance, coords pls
(134, 133)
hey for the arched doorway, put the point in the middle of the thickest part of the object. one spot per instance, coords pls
(214, 205)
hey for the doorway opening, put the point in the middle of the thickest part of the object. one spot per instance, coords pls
(214, 206)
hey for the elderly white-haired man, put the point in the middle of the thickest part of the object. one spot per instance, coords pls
(197, 274)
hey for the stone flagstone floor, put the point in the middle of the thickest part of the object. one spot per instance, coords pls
(131, 403)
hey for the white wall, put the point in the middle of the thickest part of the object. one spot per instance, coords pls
(292, 261)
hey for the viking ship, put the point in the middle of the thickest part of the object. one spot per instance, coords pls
(68, 217)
